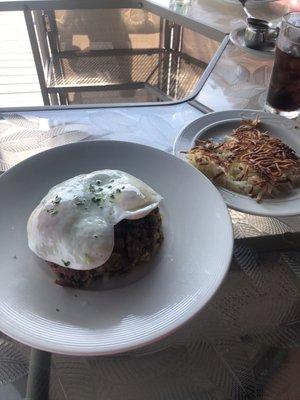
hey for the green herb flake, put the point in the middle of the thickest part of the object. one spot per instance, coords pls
(98, 182)
(118, 190)
(57, 200)
(112, 196)
(123, 187)
(66, 263)
(97, 199)
(91, 188)
(95, 236)
(79, 201)
(87, 258)
(52, 211)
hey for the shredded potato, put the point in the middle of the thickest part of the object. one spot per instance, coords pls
(249, 161)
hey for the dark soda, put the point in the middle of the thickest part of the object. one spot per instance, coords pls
(284, 89)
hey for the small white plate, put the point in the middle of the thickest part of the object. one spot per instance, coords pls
(191, 265)
(237, 37)
(216, 126)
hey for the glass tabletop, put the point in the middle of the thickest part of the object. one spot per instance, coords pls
(239, 80)
(225, 15)
(243, 345)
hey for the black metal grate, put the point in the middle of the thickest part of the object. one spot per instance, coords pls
(143, 95)
(169, 73)
(177, 76)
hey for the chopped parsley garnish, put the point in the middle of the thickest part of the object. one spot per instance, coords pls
(118, 190)
(91, 188)
(52, 211)
(87, 258)
(109, 187)
(79, 201)
(98, 182)
(97, 199)
(123, 187)
(66, 263)
(112, 196)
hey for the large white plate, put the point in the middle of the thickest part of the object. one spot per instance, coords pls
(220, 124)
(188, 270)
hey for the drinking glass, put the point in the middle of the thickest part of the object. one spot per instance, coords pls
(284, 90)
(182, 2)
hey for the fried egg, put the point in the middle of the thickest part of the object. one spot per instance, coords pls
(73, 226)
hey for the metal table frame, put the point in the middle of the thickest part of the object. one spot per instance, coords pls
(39, 52)
(148, 5)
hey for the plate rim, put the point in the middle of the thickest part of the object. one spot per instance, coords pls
(183, 320)
(224, 113)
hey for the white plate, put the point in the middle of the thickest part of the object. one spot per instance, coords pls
(220, 124)
(237, 37)
(190, 267)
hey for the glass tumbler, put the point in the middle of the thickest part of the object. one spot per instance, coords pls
(284, 90)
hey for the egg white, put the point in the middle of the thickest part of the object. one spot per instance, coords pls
(73, 226)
